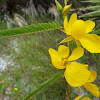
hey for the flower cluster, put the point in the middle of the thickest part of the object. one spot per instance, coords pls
(77, 74)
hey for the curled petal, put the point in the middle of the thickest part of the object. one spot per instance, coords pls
(92, 88)
(76, 74)
(78, 29)
(65, 22)
(63, 51)
(66, 26)
(91, 42)
(76, 54)
(89, 25)
(70, 38)
(56, 59)
(92, 76)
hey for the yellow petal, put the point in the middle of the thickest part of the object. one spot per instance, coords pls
(86, 98)
(63, 51)
(76, 74)
(65, 22)
(73, 18)
(67, 39)
(77, 98)
(66, 26)
(76, 54)
(91, 42)
(78, 29)
(89, 25)
(92, 76)
(56, 59)
(92, 88)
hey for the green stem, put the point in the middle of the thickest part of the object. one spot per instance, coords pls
(57, 75)
(99, 66)
(69, 90)
(96, 31)
(69, 87)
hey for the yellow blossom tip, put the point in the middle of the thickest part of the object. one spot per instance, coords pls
(16, 89)
(79, 97)
(67, 9)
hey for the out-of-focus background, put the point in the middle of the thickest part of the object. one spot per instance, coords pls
(24, 60)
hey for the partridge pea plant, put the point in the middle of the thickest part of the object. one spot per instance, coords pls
(77, 74)
(66, 59)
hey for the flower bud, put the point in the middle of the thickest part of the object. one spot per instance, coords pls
(59, 7)
(67, 9)
(15, 89)
(66, 2)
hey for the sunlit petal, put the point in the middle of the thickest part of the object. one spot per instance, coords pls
(89, 25)
(78, 29)
(91, 42)
(66, 26)
(76, 54)
(65, 22)
(76, 74)
(63, 51)
(86, 98)
(56, 59)
(73, 18)
(92, 76)
(92, 88)
(78, 98)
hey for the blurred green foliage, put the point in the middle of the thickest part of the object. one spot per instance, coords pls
(32, 65)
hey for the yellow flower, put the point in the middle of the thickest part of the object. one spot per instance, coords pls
(61, 59)
(79, 29)
(72, 78)
(79, 97)
(15, 89)
(76, 74)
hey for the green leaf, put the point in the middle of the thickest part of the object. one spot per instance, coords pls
(40, 27)
(92, 1)
(93, 8)
(96, 31)
(1, 87)
(92, 14)
(53, 78)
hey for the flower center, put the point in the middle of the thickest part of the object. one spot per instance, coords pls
(64, 61)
